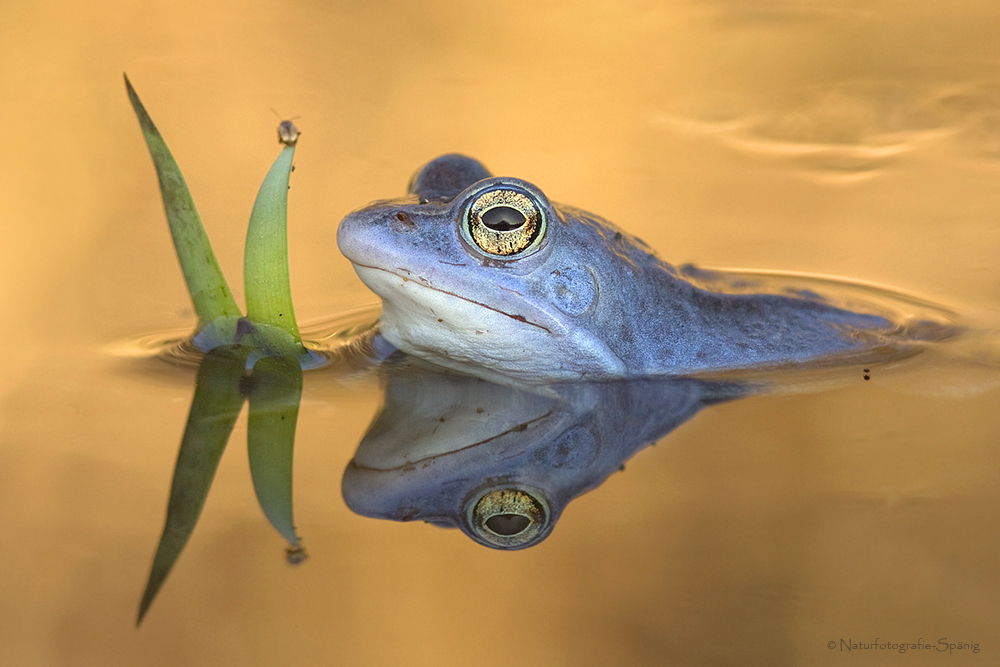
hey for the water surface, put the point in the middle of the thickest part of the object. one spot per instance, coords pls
(858, 140)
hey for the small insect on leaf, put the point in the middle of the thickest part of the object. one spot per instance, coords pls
(288, 134)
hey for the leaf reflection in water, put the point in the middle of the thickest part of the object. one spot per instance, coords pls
(274, 389)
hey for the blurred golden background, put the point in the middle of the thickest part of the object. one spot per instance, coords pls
(859, 139)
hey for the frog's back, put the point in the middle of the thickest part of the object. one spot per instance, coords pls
(658, 322)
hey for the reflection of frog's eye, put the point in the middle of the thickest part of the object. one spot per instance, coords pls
(508, 518)
(504, 222)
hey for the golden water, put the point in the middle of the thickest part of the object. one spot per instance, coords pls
(853, 139)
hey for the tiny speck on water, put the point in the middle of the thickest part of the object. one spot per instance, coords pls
(867, 374)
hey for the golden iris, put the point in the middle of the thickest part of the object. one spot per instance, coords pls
(504, 222)
(508, 518)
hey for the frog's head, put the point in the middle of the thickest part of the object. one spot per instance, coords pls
(484, 274)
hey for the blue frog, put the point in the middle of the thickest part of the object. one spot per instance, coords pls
(486, 276)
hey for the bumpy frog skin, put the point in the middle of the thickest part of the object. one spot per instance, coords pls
(486, 276)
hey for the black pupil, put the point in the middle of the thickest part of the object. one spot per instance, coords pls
(507, 524)
(503, 218)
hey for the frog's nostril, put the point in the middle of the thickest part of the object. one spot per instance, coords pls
(401, 222)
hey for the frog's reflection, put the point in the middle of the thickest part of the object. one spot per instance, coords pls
(497, 461)
(502, 463)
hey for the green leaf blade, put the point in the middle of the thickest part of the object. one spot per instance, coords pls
(265, 260)
(205, 282)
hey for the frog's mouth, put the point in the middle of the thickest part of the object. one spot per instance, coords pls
(507, 339)
(378, 286)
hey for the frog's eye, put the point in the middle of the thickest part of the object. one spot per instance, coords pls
(504, 222)
(507, 518)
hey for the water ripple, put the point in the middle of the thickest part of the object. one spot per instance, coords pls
(848, 132)
(336, 339)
